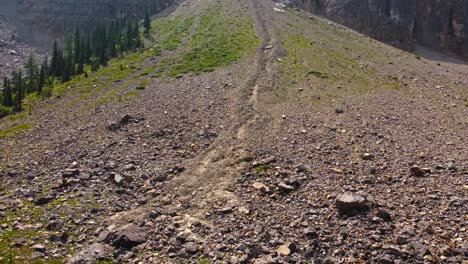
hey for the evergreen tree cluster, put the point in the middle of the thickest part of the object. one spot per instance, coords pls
(93, 49)
(18, 86)
(96, 48)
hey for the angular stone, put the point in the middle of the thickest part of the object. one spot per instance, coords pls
(287, 249)
(261, 187)
(191, 248)
(283, 187)
(417, 171)
(129, 237)
(91, 253)
(39, 248)
(68, 173)
(349, 203)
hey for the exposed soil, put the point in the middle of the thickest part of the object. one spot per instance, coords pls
(249, 163)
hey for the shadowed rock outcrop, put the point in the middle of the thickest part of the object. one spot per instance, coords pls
(402, 23)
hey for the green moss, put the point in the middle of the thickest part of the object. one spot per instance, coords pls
(130, 94)
(203, 260)
(144, 83)
(73, 202)
(262, 168)
(18, 116)
(15, 130)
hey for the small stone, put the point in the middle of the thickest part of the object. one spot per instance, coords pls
(68, 173)
(20, 242)
(129, 167)
(283, 187)
(417, 171)
(384, 215)
(310, 233)
(39, 248)
(261, 187)
(54, 225)
(233, 260)
(287, 249)
(349, 203)
(451, 166)
(385, 259)
(225, 210)
(367, 156)
(129, 237)
(400, 240)
(339, 110)
(118, 178)
(43, 200)
(191, 248)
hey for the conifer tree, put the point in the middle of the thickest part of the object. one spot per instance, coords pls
(77, 45)
(54, 62)
(41, 81)
(7, 94)
(18, 84)
(147, 23)
(31, 70)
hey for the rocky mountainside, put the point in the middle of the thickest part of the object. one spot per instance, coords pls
(243, 132)
(43, 21)
(442, 25)
(13, 52)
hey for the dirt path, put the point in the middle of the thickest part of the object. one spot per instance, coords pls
(214, 170)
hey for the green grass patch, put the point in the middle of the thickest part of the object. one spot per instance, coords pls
(222, 36)
(130, 94)
(18, 116)
(177, 30)
(15, 130)
(262, 168)
(4, 111)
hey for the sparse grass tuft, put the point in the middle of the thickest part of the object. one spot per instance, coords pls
(15, 130)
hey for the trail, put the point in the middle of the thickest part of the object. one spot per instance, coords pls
(215, 169)
(207, 177)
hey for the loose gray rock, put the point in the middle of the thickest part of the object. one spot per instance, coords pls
(351, 203)
(129, 237)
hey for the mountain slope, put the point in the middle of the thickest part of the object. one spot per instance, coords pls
(239, 135)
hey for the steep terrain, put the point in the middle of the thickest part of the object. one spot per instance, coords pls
(436, 24)
(44, 21)
(13, 52)
(231, 138)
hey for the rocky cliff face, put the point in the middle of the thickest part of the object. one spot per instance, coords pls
(439, 24)
(48, 19)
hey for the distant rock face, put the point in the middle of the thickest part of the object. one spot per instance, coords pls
(48, 19)
(437, 24)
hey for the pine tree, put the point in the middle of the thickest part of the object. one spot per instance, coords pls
(41, 81)
(7, 94)
(77, 45)
(55, 60)
(31, 68)
(147, 23)
(18, 84)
